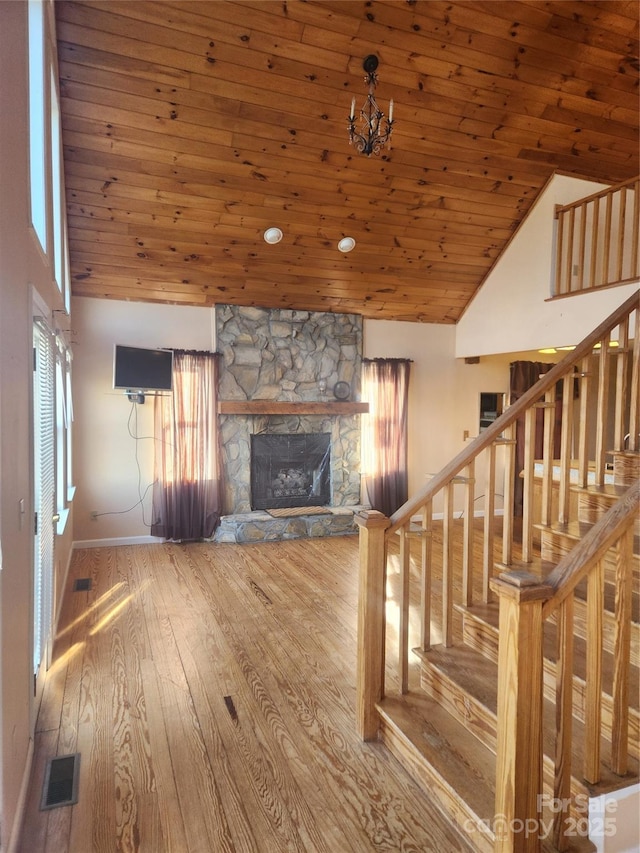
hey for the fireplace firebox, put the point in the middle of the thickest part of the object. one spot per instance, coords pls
(290, 470)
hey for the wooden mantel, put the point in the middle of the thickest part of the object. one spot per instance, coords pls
(274, 407)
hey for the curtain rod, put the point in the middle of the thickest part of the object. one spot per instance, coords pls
(193, 351)
(404, 360)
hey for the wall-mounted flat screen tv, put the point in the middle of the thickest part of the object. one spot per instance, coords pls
(138, 369)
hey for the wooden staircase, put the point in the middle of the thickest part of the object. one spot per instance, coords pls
(529, 706)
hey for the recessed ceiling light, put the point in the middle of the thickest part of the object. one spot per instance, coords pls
(273, 235)
(346, 244)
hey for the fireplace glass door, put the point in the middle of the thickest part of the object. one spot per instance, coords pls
(290, 470)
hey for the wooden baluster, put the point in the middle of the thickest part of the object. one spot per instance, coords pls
(520, 701)
(621, 387)
(583, 423)
(622, 212)
(560, 287)
(371, 621)
(582, 246)
(608, 211)
(527, 492)
(547, 455)
(634, 408)
(566, 434)
(568, 278)
(447, 567)
(467, 536)
(593, 688)
(564, 719)
(602, 410)
(622, 647)
(509, 443)
(427, 550)
(489, 511)
(634, 271)
(403, 609)
(593, 269)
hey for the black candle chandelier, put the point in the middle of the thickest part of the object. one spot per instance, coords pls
(367, 136)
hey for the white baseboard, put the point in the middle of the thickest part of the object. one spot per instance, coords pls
(63, 586)
(119, 540)
(16, 829)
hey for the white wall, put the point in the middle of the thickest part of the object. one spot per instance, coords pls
(511, 312)
(23, 271)
(431, 388)
(106, 456)
(615, 821)
(444, 392)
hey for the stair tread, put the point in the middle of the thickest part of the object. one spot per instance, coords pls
(541, 569)
(466, 766)
(578, 530)
(489, 614)
(536, 566)
(478, 677)
(466, 770)
(608, 490)
(467, 667)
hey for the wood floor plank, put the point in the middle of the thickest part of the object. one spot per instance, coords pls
(299, 676)
(213, 704)
(258, 733)
(95, 730)
(36, 824)
(212, 712)
(203, 815)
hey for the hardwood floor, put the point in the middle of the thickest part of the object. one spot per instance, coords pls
(210, 690)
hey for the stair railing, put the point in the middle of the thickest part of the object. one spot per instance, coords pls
(483, 468)
(525, 604)
(597, 239)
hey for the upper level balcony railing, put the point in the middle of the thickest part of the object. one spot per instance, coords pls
(597, 240)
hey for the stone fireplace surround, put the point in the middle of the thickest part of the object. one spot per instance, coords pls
(277, 375)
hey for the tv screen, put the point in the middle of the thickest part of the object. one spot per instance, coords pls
(137, 369)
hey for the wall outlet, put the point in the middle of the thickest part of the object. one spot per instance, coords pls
(94, 515)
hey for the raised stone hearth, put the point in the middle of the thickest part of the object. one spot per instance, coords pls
(259, 526)
(276, 357)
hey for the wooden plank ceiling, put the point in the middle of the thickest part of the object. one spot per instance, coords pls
(191, 127)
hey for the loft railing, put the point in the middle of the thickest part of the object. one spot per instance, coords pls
(598, 414)
(597, 240)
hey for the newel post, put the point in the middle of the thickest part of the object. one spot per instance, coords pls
(517, 823)
(371, 620)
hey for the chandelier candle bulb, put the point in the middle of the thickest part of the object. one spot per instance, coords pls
(353, 108)
(391, 110)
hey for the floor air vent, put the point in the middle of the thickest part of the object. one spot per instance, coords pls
(81, 584)
(61, 782)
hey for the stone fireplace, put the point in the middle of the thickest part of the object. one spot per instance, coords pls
(278, 371)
